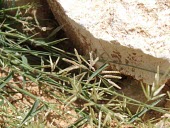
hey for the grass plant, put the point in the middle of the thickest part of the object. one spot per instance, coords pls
(50, 87)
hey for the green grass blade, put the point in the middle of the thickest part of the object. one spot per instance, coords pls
(78, 123)
(24, 60)
(32, 110)
(1, 100)
(24, 92)
(53, 33)
(6, 80)
(96, 72)
(145, 109)
(56, 41)
(15, 8)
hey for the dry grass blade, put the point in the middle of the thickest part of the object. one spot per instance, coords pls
(110, 72)
(111, 76)
(114, 84)
(157, 91)
(78, 56)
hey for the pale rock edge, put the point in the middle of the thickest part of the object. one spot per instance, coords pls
(128, 60)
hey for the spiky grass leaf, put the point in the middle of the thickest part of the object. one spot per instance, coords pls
(1, 100)
(157, 91)
(145, 109)
(24, 60)
(32, 110)
(78, 56)
(158, 96)
(15, 8)
(56, 42)
(53, 33)
(70, 100)
(80, 122)
(6, 80)
(100, 119)
(96, 72)
(146, 91)
(107, 119)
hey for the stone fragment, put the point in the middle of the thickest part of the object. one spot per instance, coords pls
(133, 35)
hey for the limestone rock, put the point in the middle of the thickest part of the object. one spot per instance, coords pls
(133, 35)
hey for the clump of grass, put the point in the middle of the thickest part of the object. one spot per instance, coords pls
(36, 87)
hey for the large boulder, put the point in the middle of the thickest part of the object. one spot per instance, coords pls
(133, 35)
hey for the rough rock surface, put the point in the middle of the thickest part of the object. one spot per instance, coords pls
(133, 35)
